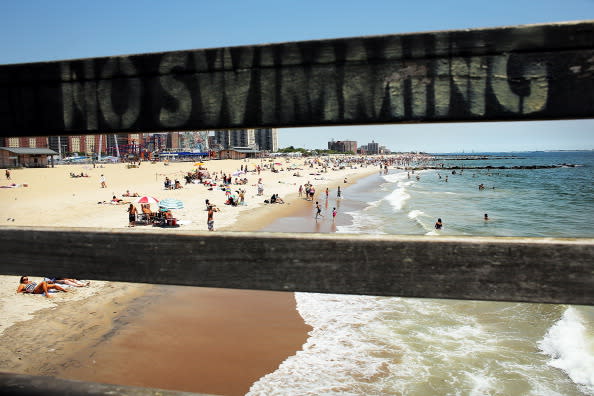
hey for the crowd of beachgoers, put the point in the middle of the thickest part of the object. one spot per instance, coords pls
(187, 195)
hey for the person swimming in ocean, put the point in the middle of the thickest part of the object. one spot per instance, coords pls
(438, 224)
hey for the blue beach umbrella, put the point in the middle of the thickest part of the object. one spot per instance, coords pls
(170, 203)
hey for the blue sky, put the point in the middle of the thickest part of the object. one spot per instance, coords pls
(35, 30)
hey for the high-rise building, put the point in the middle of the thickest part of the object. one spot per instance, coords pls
(343, 146)
(267, 139)
(173, 140)
(373, 148)
(230, 138)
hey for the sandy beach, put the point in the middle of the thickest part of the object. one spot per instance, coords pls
(216, 341)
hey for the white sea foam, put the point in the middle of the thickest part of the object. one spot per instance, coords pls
(382, 345)
(413, 214)
(570, 345)
(398, 198)
(361, 222)
(421, 218)
(395, 177)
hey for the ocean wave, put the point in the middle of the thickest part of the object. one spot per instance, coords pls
(361, 223)
(421, 219)
(570, 345)
(413, 214)
(398, 198)
(395, 177)
(390, 345)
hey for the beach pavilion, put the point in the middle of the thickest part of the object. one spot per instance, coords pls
(28, 157)
(238, 153)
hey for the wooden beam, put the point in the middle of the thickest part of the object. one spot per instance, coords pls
(533, 72)
(545, 270)
(34, 385)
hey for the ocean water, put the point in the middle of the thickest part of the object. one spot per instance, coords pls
(366, 345)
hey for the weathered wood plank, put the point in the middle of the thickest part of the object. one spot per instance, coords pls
(31, 385)
(528, 72)
(478, 268)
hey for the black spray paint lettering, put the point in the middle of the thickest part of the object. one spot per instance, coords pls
(289, 94)
(93, 98)
(177, 90)
(105, 93)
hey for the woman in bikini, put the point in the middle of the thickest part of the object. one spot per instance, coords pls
(27, 286)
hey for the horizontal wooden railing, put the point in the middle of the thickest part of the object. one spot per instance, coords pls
(547, 270)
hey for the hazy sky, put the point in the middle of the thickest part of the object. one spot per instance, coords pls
(41, 30)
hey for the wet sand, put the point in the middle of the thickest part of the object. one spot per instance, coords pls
(216, 341)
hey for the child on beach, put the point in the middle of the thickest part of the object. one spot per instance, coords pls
(333, 214)
(318, 210)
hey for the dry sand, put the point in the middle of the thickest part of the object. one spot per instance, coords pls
(196, 339)
(53, 198)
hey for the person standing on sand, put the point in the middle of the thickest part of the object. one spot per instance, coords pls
(102, 181)
(7, 173)
(260, 187)
(300, 190)
(210, 217)
(132, 215)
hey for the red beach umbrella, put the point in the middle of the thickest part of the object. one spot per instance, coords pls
(147, 199)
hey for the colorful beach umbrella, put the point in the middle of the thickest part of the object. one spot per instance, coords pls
(147, 199)
(170, 203)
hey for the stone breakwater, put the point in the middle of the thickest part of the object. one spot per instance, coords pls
(455, 167)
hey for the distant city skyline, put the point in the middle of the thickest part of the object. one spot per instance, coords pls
(453, 137)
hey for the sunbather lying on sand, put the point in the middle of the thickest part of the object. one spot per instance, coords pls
(129, 194)
(27, 286)
(67, 281)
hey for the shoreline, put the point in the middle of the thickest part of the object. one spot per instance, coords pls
(258, 218)
(84, 339)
